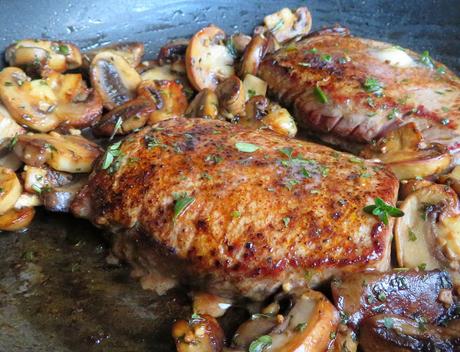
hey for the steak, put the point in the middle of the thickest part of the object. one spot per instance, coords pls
(368, 88)
(237, 211)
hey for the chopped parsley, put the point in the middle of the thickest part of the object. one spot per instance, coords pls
(320, 95)
(373, 85)
(116, 128)
(236, 214)
(426, 59)
(195, 318)
(421, 266)
(326, 57)
(216, 159)
(388, 322)
(251, 93)
(261, 344)
(441, 70)
(300, 327)
(13, 141)
(286, 221)
(230, 45)
(182, 202)
(153, 142)
(111, 153)
(246, 147)
(393, 114)
(412, 236)
(383, 210)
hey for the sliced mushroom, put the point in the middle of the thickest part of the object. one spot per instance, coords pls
(239, 41)
(44, 104)
(40, 180)
(202, 333)
(58, 199)
(286, 24)
(428, 236)
(132, 52)
(43, 56)
(405, 153)
(254, 86)
(452, 179)
(173, 51)
(16, 219)
(125, 118)
(67, 153)
(205, 104)
(9, 132)
(344, 340)
(407, 293)
(10, 189)
(280, 120)
(114, 79)
(307, 325)
(208, 60)
(206, 303)
(168, 97)
(253, 55)
(256, 109)
(232, 97)
(154, 71)
(392, 333)
(27, 200)
(406, 187)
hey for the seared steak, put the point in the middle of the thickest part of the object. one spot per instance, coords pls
(369, 87)
(237, 211)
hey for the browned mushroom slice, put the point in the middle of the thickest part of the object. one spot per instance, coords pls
(405, 153)
(58, 199)
(168, 97)
(125, 118)
(10, 189)
(114, 79)
(253, 55)
(40, 180)
(286, 24)
(45, 103)
(208, 60)
(406, 187)
(66, 153)
(132, 52)
(16, 219)
(344, 340)
(428, 236)
(406, 293)
(202, 333)
(452, 179)
(306, 326)
(43, 56)
(256, 108)
(205, 104)
(153, 71)
(232, 97)
(280, 120)
(173, 51)
(9, 132)
(254, 86)
(239, 42)
(392, 333)
(206, 303)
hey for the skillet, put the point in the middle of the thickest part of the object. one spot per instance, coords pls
(56, 291)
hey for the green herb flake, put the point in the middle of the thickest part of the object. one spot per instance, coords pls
(277, 26)
(195, 318)
(153, 142)
(8, 84)
(320, 95)
(388, 322)
(13, 141)
(382, 210)
(251, 93)
(382, 297)
(445, 109)
(246, 147)
(230, 45)
(111, 153)
(344, 317)
(182, 202)
(422, 267)
(300, 327)
(326, 58)
(441, 70)
(116, 128)
(236, 214)
(393, 114)
(412, 236)
(426, 59)
(37, 189)
(216, 159)
(356, 160)
(286, 221)
(373, 85)
(261, 344)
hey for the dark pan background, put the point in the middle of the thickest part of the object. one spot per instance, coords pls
(56, 291)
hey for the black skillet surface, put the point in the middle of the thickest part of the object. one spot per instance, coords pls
(56, 291)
